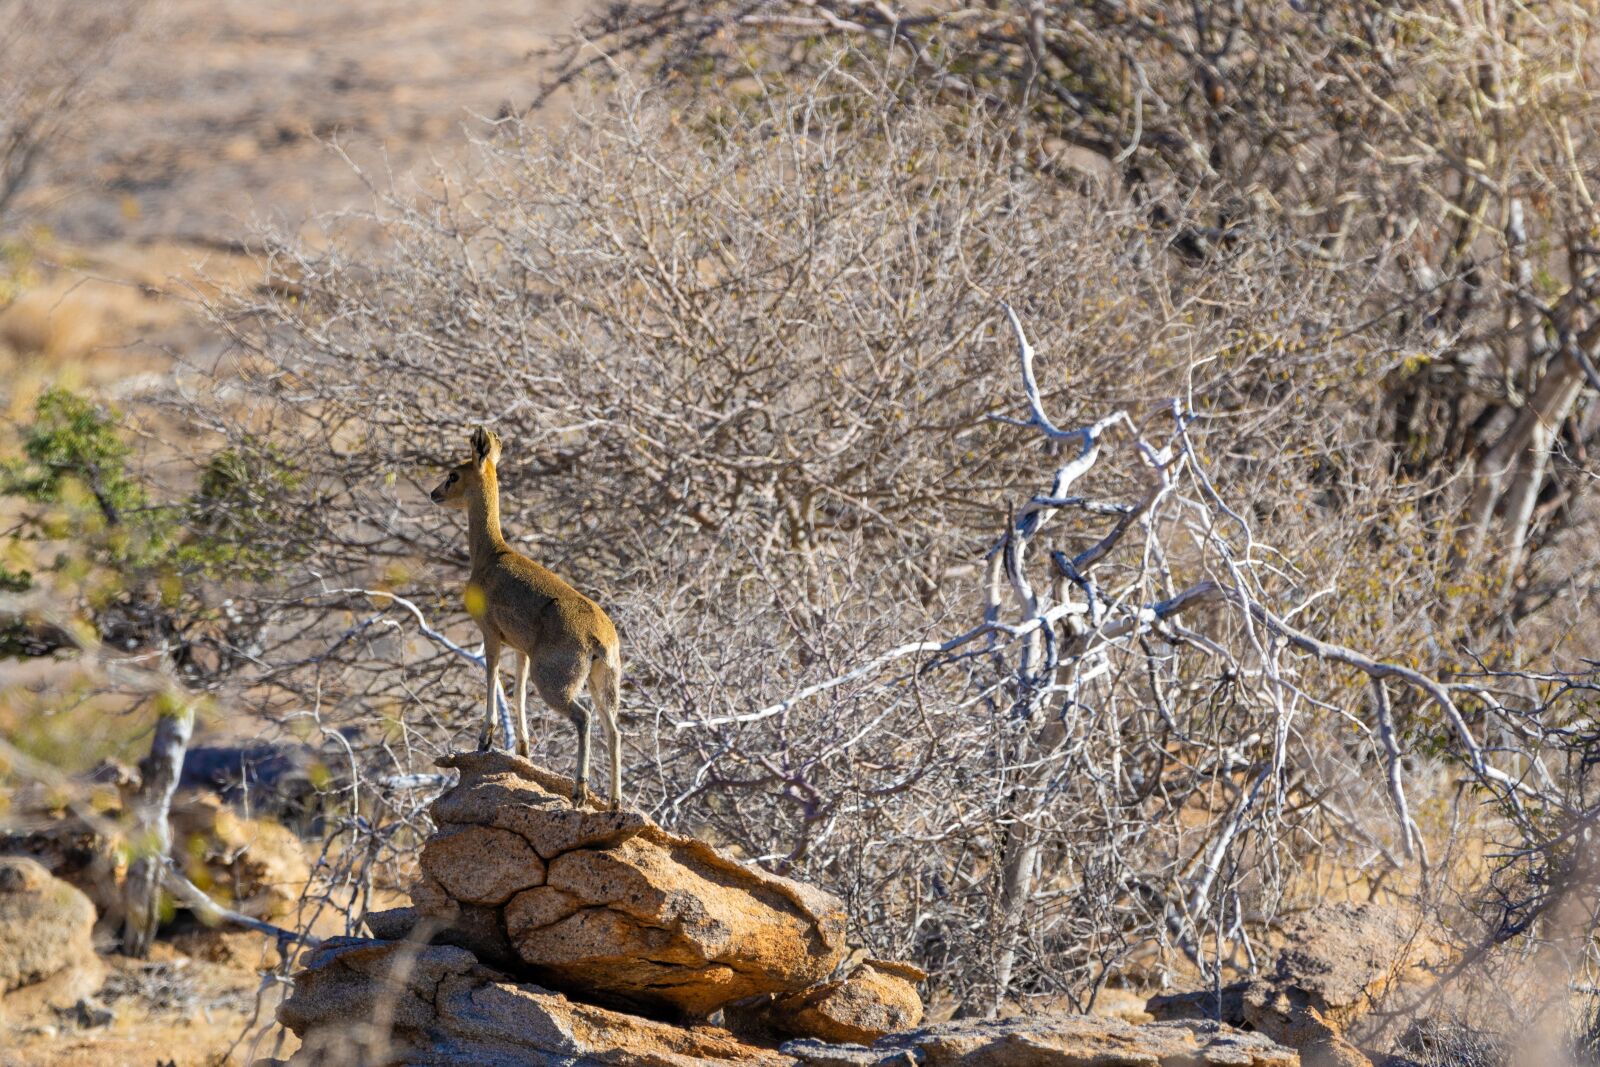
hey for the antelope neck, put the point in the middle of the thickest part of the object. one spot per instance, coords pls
(484, 538)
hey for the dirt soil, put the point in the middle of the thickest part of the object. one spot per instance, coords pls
(223, 112)
(187, 1011)
(214, 120)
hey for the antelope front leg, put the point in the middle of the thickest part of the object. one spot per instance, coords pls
(522, 706)
(580, 719)
(491, 661)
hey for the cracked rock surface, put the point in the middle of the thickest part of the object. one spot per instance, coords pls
(607, 904)
(410, 1005)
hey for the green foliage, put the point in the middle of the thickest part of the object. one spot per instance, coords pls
(243, 493)
(15, 581)
(76, 459)
(74, 455)
(71, 437)
(103, 537)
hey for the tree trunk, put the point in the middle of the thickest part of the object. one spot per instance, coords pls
(1511, 471)
(1019, 870)
(152, 836)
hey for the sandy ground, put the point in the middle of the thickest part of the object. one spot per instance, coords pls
(216, 119)
(223, 113)
(173, 1009)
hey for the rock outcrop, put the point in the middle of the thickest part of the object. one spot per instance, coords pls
(254, 866)
(608, 905)
(72, 849)
(533, 922)
(1336, 961)
(46, 945)
(408, 1005)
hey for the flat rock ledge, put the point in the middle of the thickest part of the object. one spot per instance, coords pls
(1053, 1041)
(362, 1003)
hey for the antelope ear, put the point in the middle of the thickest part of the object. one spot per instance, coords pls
(485, 445)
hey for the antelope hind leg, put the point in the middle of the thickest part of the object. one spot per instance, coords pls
(523, 746)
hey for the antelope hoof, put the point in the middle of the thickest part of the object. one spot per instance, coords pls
(485, 743)
(580, 796)
(522, 749)
(616, 804)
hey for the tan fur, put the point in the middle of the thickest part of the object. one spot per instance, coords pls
(565, 639)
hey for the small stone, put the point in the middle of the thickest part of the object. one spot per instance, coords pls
(873, 1000)
(395, 924)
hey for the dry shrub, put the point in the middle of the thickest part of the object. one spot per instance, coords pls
(1442, 152)
(759, 398)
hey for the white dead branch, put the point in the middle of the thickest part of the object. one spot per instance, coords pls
(158, 773)
(1062, 642)
(382, 600)
(196, 900)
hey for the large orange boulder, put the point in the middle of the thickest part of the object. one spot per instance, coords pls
(608, 905)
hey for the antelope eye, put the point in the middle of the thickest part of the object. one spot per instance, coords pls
(454, 476)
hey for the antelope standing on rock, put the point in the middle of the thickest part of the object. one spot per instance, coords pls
(566, 641)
